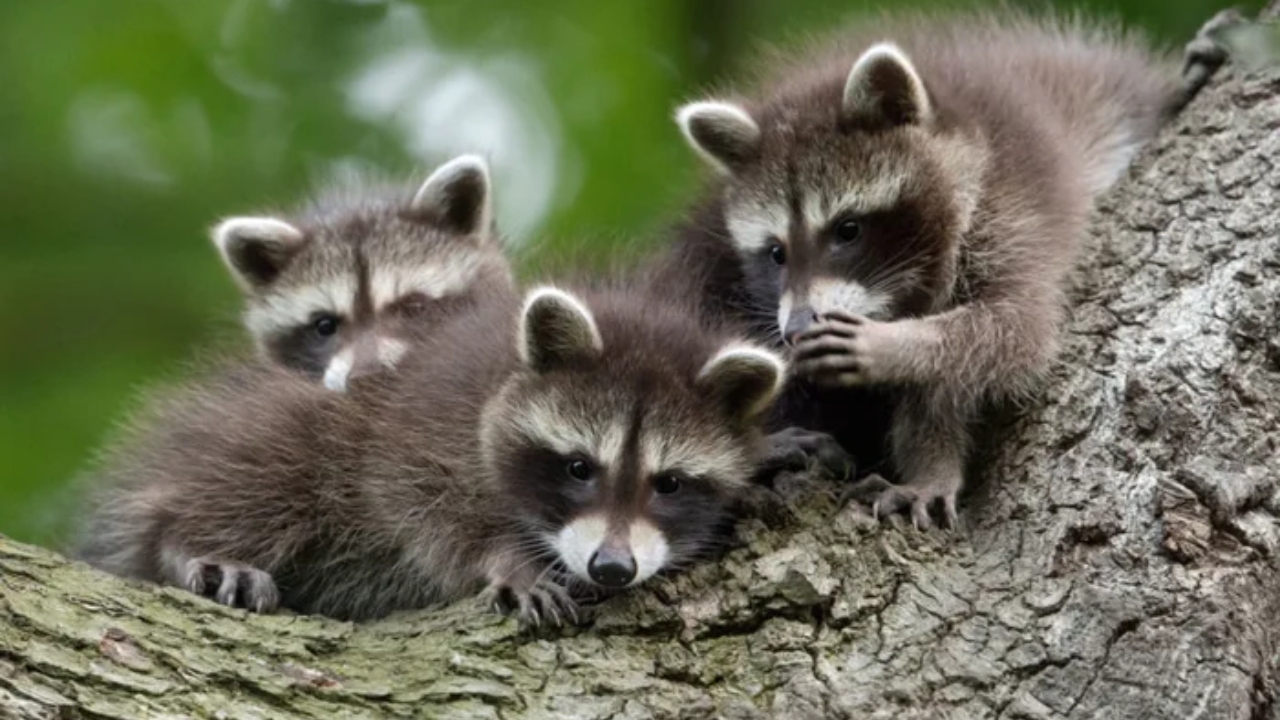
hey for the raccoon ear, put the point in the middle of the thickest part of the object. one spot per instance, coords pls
(556, 328)
(746, 378)
(722, 133)
(457, 196)
(256, 249)
(884, 89)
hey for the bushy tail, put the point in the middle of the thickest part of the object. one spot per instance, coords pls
(1127, 91)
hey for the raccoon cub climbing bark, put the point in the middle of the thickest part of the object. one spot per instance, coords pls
(902, 207)
(530, 450)
(341, 288)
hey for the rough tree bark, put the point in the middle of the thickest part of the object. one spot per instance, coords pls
(1120, 559)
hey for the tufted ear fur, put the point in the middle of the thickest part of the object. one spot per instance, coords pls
(724, 134)
(745, 378)
(256, 249)
(884, 90)
(556, 328)
(457, 196)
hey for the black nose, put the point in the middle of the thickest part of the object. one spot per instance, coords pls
(798, 321)
(612, 568)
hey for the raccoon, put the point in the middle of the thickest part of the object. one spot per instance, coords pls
(902, 207)
(341, 288)
(532, 452)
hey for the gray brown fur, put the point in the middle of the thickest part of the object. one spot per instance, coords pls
(372, 261)
(433, 483)
(973, 208)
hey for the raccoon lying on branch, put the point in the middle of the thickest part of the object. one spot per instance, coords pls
(573, 442)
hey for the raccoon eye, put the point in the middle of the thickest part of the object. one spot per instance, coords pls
(848, 230)
(414, 305)
(325, 325)
(579, 470)
(778, 253)
(666, 484)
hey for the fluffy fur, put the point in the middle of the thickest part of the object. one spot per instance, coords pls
(579, 440)
(902, 205)
(342, 288)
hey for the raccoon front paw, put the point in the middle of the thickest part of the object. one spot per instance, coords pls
(795, 449)
(231, 584)
(918, 499)
(764, 504)
(843, 350)
(533, 603)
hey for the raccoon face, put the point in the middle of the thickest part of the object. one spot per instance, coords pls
(848, 198)
(620, 461)
(344, 297)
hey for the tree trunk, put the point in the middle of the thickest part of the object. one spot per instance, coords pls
(1119, 559)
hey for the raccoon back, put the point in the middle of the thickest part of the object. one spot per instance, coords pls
(1094, 87)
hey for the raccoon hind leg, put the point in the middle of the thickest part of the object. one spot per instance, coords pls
(929, 442)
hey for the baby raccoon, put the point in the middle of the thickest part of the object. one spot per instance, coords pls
(342, 288)
(903, 206)
(572, 442)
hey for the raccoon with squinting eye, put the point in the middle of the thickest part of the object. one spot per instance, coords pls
(902, 205)
(341, 288)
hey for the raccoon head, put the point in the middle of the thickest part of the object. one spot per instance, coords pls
(848, 196)
(342, 293)
(623, 441)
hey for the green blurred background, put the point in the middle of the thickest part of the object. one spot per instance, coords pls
(128, 126)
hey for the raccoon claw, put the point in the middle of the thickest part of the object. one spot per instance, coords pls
(886, 499)
(542, 602)
(231, 584)
(554, 603)
(844, 350)
(799, 449)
